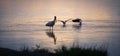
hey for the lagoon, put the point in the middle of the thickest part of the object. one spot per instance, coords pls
(17, 33)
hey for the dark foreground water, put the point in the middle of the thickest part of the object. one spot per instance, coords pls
(17, 33)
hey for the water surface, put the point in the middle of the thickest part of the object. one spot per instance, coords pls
(17, 33)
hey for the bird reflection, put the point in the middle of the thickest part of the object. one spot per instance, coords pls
(76, 26)
(51, 34)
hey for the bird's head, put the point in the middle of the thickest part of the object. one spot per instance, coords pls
(55, 18)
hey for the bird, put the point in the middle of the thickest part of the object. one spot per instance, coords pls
(51, 23)
(64, 22)
(78, 20)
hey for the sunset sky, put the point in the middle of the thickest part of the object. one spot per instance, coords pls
(61, 8)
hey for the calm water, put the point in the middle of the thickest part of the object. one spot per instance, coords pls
(17, 33)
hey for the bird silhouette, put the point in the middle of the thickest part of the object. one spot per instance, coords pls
(64, 22)
(51, 23)
(78, 20)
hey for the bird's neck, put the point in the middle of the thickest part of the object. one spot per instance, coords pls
(54, 19)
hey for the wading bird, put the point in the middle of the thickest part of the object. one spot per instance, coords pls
(64, 22)
(78, 20)
(51, 23)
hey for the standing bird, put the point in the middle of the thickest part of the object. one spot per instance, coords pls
(51, 23)
(64, 22)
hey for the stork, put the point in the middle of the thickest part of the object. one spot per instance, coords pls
(51, 23)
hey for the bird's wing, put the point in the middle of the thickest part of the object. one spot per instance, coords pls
(60, 20)
(68, 19)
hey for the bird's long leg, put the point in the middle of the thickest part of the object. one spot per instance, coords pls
(52, 28)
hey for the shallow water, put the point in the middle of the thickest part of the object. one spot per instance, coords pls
(17, 33)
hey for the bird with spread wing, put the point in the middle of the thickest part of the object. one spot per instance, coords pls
(64, 22)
